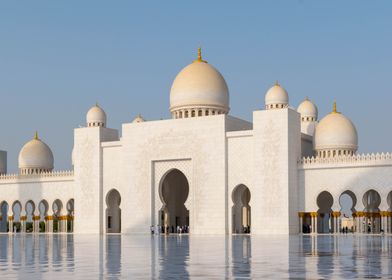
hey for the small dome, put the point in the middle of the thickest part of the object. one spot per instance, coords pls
(138, 119)
(337, 134)
(35, 157)
(96, 116)
(276, 97)
(308, 110)
(199, 87)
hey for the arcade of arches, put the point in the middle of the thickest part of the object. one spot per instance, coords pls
(370, 219)
(37, 217)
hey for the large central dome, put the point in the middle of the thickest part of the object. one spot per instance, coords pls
(199, 90)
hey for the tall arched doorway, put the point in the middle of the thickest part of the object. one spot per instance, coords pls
(324, 221)
(372, 200)
(347, 201)
(241, 210)
(4, 216)
(174, 191)
(113, 212)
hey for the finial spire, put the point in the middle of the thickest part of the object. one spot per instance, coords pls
(199, 56)
(334, 107)
(96, 104)
(36, 136)
(277, 83)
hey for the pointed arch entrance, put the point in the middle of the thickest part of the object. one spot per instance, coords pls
(324, 221)
(241, 209)
(113, 212)
(173, 192)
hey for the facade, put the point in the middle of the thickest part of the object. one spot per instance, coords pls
(204, 171)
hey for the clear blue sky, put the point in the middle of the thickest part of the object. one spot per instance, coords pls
(57, 58)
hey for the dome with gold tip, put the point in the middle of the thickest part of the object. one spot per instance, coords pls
(335, 135)
(35, 157)
(276, 97)
(199, 90)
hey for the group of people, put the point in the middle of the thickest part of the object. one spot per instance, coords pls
(160, 229)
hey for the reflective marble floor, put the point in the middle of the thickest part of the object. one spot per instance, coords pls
(195, 257)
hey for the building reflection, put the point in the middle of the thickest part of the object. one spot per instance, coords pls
(173, 257)
(342, 257)
(42, 251)
(113, 255)
(241, 254)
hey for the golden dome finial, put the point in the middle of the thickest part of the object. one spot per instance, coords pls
(307, 98)
(334, 107)
(199, 56)
(277, 83)
(36, 136)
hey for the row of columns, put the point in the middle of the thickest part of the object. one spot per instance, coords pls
(63, 222)
(361, 222)
(190, 113)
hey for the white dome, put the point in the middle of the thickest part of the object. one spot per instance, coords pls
(138, 119)
(199, 86)
(276, 97)
(96, 116)
(35, 156)
(336, 132)
(308, 110)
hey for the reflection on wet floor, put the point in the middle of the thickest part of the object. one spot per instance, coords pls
(213, 257)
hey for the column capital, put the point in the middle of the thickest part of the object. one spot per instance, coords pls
(23, 218)
(36, 218)
(313, 214)
(10, 218)
(301, 214)
(359, 214)
(49, 218)
(336, 214)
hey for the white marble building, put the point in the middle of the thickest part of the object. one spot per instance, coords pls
(203, 170)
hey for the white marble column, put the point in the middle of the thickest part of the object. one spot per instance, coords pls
(23, 220)
(301, 222)
(36, 224)
(10, 224)
(49, 224)
(312, 223)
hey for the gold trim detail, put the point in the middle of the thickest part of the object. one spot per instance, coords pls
(199, 56)
(49, 218)
(335, 110)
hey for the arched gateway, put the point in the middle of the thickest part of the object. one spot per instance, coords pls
(173, 192)
(241, 210)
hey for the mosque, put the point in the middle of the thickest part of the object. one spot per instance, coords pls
(204, 170)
